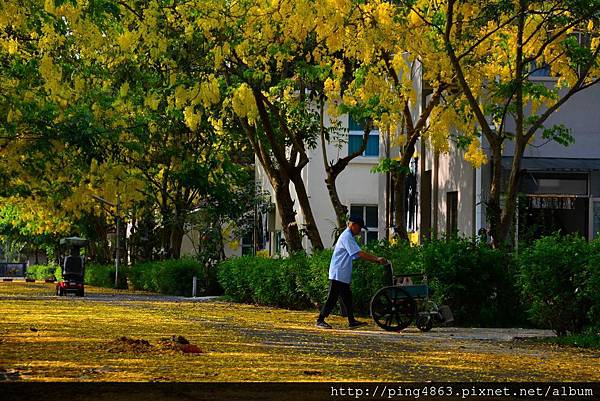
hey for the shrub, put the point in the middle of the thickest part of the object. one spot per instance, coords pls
(313, 280)
(171, 277)
(592, 286)
(477, 282)
(104, 275)
(265, 281)
(233, 276)
(289, 292)
(553, 276)
(43, 272)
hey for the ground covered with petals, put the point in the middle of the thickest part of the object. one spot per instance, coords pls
(115, 335)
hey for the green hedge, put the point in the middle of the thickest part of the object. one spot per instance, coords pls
(300, 281)
(559, 282)
(172, 277)
(43, 272)
(280, 282)
(313, 279)
(592, 288)
(104, 275)
(477, 282)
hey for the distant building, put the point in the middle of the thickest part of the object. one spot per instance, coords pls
(559, 186)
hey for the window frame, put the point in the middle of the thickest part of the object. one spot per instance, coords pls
(367, 229)
(353, 131)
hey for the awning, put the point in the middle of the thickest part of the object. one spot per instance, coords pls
(553, 164)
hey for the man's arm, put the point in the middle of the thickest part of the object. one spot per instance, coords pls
(372, 258)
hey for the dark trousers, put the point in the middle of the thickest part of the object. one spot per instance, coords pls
(338, 289)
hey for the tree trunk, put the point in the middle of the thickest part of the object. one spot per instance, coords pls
(288, 216)
(101, 251)
(165, 235)
(341, 210)
(311, 226)
(493, 205)
(400, 205)
(510, 202)
(511, 192)
(400, 186)
(175, 239)
(278, 176)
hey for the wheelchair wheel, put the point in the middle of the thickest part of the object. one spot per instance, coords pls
(393, 309)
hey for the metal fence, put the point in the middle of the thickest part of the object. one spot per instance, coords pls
(13, 269)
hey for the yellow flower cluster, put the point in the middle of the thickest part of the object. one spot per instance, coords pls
(244, 104)
(192, 117)
(475, 154)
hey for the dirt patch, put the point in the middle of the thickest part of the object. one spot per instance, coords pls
(138, 346)
(179, 343)
(129, 345)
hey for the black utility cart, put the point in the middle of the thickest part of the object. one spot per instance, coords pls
(72, 267)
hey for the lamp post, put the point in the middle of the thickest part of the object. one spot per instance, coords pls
(118, 213)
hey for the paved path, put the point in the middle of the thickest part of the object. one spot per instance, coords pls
(109, 297)
(123, 297)
(456, 333)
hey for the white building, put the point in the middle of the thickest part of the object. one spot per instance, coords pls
(361, 190)
(560, 186)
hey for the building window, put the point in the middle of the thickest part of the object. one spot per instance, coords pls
(370, 216)
(542, 71)
(248, 243)
(451, 213)
(355, 137)
(554, 183)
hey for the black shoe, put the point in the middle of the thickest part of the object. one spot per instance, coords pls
(323, 325)
(356, 324)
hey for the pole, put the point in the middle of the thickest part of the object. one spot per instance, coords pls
(117, 253)
(388, 211)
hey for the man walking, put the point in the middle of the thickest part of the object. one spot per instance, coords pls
(340, 272)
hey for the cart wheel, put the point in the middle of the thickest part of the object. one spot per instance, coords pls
(424, 323)
(393, 309)
(80, 292)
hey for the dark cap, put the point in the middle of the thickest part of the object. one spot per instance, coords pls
(358, 220)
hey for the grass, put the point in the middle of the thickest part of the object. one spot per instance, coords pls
(48, 338)
(588, 340)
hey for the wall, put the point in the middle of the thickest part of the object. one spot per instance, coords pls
(581, 115)
(455, 174)
(355, 185)
(190, 241)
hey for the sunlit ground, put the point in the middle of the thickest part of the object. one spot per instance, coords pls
(49, 338)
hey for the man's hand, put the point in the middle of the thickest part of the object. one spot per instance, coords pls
(372, 258)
